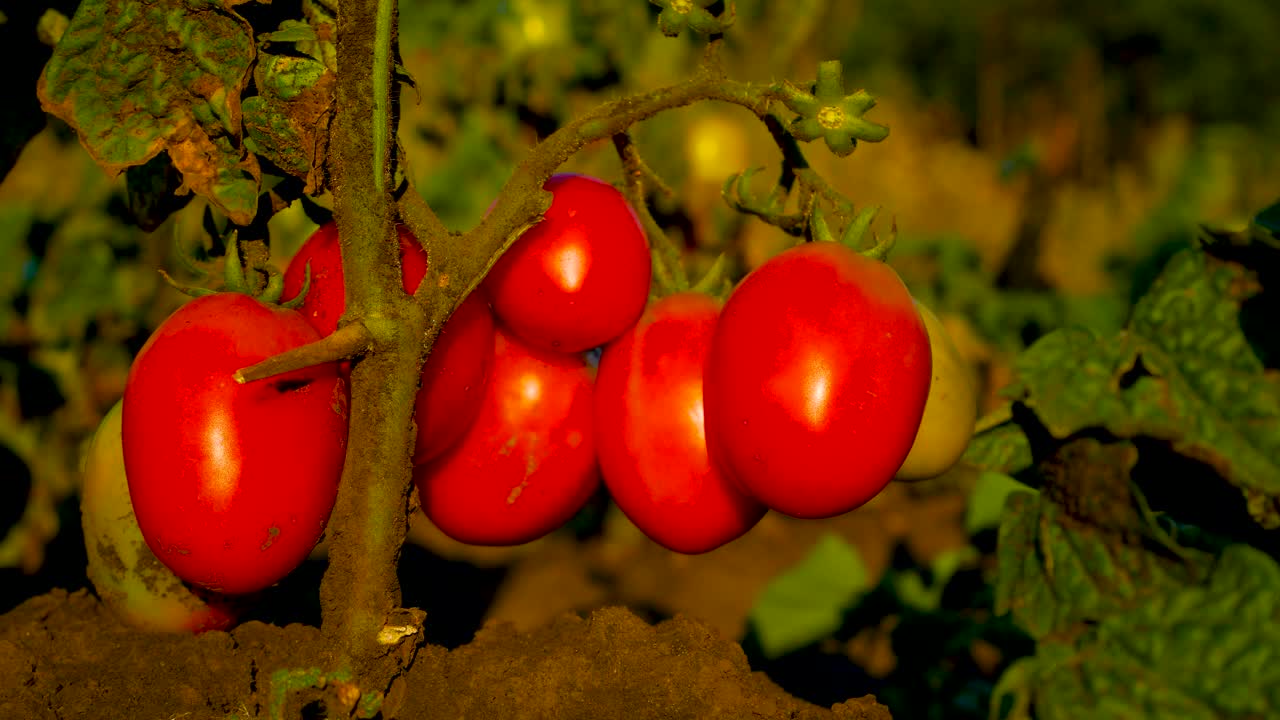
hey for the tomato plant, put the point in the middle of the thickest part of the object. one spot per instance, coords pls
(650, 434)
(527, 463)
(124, 571)
(455, 373)
(578, 278)
(816, 380)
(950, 411)
(232, 484)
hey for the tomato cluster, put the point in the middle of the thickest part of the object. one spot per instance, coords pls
(816, 383)
(806, 391)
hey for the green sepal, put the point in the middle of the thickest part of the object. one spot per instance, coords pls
(194, 292)
(880, 250)
(857, 228)
(737, 193)
(232, 271)
(716, 280)
(275, 286)
(854, 232)
(301, 297)
(819, 231)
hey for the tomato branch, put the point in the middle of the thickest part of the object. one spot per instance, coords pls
(360, 590)
(457, 270)
(347, 342)
(667, 264)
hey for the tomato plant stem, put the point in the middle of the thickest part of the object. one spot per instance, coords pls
(360, 590)
(460, 261)
(347, 342)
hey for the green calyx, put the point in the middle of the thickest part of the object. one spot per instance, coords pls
(670, 275)
(854, 233)
(678, 15)
(828, 113)
(238, 278)
(770, 207)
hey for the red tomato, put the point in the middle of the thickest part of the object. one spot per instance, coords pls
(326, 299)
(455, 373)
(650, 436)
(527, 464)
(580, 277)
(232, 485)
(816, 380)
(454, 378)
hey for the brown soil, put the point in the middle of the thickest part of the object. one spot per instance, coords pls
(65, 656)
(558, 640)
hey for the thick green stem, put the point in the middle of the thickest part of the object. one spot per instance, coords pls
(360, 589)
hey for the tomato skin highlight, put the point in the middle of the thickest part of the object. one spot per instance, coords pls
(527, 463)
(580, 277)
(650, 434)
(232, 484)
(455, 373)
(816, 380)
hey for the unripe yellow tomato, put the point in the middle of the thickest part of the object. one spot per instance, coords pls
(950, 411)
(129, 578)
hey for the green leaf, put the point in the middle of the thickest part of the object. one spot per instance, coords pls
(288, 121)
(290, 31)
(137, 78)
(1056, 573)
(806, 603)
(988, 499)
(1183, 372)
(1202, 651)
(1004, 449)
(912, 589)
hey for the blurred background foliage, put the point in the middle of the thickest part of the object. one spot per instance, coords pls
(1045, 159)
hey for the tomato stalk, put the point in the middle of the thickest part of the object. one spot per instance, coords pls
(360, 591)
(349, 341)
(460, 261)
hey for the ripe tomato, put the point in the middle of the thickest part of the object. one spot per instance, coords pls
(326, 299)
(454, 378)
(527, 464)
(949, 413)
(128, 577)
(232, 484)
(816, 380)
(455, 373)
(650, 436)
(580, 277)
